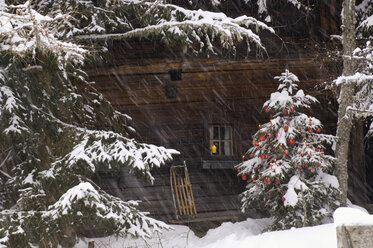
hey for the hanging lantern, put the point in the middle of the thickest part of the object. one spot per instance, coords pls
(213, 149)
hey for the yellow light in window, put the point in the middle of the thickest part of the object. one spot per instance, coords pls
(213, 149)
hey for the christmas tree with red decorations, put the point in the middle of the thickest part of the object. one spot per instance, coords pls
(287, 171)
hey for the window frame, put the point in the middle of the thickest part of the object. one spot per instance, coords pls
(220, 140)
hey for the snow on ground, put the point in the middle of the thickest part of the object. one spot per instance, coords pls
(245, 234)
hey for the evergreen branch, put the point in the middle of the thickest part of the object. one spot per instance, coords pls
(5, 159)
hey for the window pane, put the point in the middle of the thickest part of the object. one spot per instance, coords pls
(216, 133)
(222, 132)
(228, 133)
(228, 148)
(223, 148)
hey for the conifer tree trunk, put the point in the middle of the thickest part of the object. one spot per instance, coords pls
(345, 98)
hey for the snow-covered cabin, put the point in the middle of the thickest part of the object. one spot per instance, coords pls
(191, 103)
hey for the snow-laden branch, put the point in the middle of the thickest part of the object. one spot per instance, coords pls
(26, 31)
(104, 206)
(107, 147)
(357, 78)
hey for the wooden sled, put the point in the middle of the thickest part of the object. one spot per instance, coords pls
(182, 193)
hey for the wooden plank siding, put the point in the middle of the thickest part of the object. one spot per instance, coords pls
(211, 92)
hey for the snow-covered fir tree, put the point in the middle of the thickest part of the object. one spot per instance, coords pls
(56, 130)
(288, 172)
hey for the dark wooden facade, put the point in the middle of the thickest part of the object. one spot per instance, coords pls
(220, 92)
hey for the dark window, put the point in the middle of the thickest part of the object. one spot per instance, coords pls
(175, 75)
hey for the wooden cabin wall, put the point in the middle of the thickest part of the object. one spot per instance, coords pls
(210, 92)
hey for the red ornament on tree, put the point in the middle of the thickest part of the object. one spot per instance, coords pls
(263, 156)
(319, 165)
(244, 177)
(251, 155)
(263, 137)
(277, 182)
(285, 112)
(266, 110)
(310, 130)
(282, 199)
(318, 130)
(286, 128)
(292, 109)
(286, 152)
(269, 135)
(302, 154)
(313, 167)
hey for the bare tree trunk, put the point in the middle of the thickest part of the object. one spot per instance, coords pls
(345, 98)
